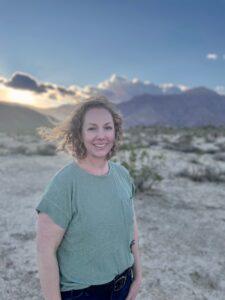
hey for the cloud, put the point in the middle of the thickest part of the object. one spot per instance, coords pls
(170, 88)
(220, 89)
(25, 89)
(212, 56)
(53, 87)
(117, 89)
(25, 82)
(2, 80)
(65, 92)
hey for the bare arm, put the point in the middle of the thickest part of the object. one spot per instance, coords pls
(49, 236)
(137, 259)
(136, 284)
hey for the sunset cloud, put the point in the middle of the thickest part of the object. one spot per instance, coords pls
(25, 82)
(25, 89)
(212, 56)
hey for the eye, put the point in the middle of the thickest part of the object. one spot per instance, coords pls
(92, 128)
(108, 127)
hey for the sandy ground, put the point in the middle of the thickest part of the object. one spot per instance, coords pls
(181, 227)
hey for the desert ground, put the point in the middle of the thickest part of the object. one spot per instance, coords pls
(181, 219)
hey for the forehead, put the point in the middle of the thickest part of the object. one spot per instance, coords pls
(98, 115)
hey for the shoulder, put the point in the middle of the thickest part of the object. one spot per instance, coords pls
(124, 174)
(60, 187)
(63, 177)
(120, 169)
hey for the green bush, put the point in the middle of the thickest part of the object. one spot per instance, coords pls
(143, 168)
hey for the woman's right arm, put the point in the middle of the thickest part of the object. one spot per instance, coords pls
(49, 236)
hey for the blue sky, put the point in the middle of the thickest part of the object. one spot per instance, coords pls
(84, 42)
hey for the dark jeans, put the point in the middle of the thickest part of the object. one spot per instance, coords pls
(117, 289)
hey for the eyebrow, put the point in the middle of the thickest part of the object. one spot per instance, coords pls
(96, 124)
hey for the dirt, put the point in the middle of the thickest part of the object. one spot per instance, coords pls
(181, 229)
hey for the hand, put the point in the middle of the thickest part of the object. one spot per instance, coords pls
(134, 288)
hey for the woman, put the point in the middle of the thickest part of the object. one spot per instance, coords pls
(87, 235)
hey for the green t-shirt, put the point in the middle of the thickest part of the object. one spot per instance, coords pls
(97, 213)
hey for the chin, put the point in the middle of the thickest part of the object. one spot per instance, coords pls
(98, 155)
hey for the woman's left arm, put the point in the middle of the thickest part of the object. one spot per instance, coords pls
(137, 269)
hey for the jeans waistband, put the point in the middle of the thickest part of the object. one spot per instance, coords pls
(125, 273)
(108, 285)
(111, 283)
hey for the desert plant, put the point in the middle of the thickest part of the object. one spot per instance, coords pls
(195, 160)
(211, 138)
(221, 146)
(20, 149)
(28, 150)
(203, 174)
(183, 144)
(143, 168)
(219, 156)
(46, 149)
(127, 146)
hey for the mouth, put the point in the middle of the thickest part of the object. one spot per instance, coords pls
(100, 146)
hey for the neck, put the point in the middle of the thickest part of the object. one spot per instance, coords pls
(93, 163)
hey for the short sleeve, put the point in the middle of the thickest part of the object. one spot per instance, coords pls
(133, 193)
(130, 180)
(56, 203)
(133, 187)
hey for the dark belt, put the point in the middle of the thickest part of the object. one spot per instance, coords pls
(116, 284)
(120, 280)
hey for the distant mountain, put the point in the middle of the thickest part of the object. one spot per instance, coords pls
(19, 119)
(195, 107)
(119, 89)
(58, 113)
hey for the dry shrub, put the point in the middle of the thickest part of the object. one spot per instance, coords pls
(46, 149)
(219, 156)
(183, 144)
(20, 149)
(203, 174)
(204, 279)
(195, 160)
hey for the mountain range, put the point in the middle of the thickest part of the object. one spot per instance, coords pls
(194, 107)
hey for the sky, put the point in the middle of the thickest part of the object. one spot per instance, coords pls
(73, 45)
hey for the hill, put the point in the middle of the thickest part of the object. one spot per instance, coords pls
(18, 119)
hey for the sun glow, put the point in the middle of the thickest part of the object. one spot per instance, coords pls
(22, 97)
(25, 97)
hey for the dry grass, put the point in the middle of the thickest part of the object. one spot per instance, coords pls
(203, 174)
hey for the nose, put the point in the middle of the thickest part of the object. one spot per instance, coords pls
(101, 133)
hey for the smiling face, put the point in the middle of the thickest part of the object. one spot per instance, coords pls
(98, 132)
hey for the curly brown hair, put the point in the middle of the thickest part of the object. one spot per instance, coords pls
(68, 134)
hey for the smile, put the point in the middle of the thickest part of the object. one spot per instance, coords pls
(100, 146)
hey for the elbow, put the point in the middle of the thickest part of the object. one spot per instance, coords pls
(43, 247)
